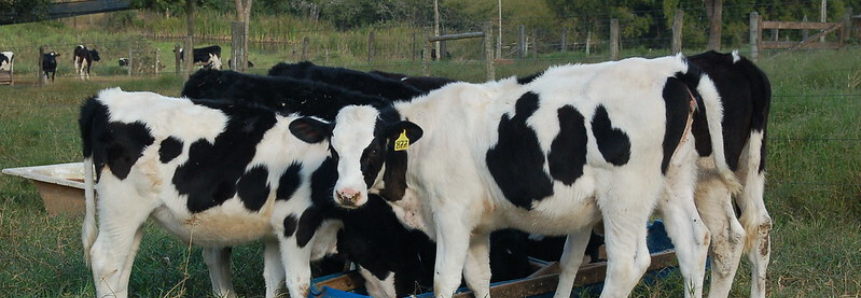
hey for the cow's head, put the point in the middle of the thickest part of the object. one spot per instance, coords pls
(49, 59)
(362, 139)
(95, 55)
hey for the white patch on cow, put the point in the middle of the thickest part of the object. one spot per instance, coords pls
(379, 288)
(162, 115)
(214, 62)
(735, 56)
(352, 141)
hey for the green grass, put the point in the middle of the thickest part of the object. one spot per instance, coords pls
(813, 190)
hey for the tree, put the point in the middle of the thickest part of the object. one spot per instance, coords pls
(243, 15)
(714, 12)
(25, 10)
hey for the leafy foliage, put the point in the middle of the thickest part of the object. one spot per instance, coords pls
(25, 10)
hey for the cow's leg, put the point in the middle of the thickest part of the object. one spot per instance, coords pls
(120, 221)
(476, 270)
(452, 244)
(689, 234)
(572, 258)
(754, 217)
(220, 275)
(625, 206)
(273, 268)
(714, 203)
(297, 266)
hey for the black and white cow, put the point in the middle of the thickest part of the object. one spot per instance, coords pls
(49, 64)
(745, 93)
(540, 155)
(394, 261)
(209, 57)
(7, 61)
(216, 173)
(84, 58)
(422, 83)
(355, 80)
(123, 62)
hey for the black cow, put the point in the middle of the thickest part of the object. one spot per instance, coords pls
(209, 56)
(49, 64)
(84, 59)
(347, 78)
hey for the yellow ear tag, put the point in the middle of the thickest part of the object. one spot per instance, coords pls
(402, 143)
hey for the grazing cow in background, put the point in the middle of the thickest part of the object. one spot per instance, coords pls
(525, 154)
(84, 58)
(49, 64)
(347, 78)
(392, 259)
(422, 83)
(208, 57)
(123, 62)
(745, 94)
(7, 61)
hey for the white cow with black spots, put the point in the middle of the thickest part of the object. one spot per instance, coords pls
(552, 154)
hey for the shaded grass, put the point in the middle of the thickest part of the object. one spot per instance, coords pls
(813, 190)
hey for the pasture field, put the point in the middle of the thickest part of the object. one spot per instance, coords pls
(813, 191)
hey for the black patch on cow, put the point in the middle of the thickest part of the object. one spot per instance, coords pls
(395, 176)
(290, 225)
(568, 151)
(311, 219)
(210, 175)
(517, 161)
(612, 142)
(125, 143)
(289, 182)
(677, 101)
(528, 79)
(253, 188)
(169, 149)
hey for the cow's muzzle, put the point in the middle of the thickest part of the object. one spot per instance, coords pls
(348, 198)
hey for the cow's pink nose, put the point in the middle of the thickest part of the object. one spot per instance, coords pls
(348, 197)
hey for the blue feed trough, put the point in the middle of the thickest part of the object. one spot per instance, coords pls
(540, 284)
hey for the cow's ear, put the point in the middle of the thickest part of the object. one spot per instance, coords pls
(310, 130)
(404, 131)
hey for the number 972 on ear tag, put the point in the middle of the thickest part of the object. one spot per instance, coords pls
(402, 143)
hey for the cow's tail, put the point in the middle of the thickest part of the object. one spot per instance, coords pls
(89, 229)
(707, 93)
(89, 115)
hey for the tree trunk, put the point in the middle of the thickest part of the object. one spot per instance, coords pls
(188, 55)
(243, 14)
(714, 11)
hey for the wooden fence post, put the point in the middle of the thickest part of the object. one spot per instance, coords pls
(237, 61)
(535, 43)
(564, 46)
(488, 52)
(588, 41)
(846, 33)
(157, 62)
(41, 71)
(442, 49)
(614, 39)
(414, 46)
(678, 22)
(804, 33)
(426, 57)
(176, 58)
(521, 41)
(754, 36)
(305, 42)
(371, 46)
(130, 62)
